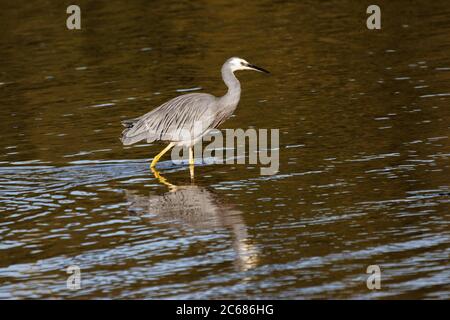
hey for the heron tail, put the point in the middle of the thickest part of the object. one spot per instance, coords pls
(130, 136)
(130, 139)
(129, 123)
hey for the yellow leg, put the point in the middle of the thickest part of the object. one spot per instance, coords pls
(191, 156)
(156, 159)
(191, 162)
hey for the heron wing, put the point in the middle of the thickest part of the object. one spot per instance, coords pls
(183, 118)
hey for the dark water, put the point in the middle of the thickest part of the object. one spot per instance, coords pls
(364, 151)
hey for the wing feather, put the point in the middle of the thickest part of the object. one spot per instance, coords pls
(180, 119)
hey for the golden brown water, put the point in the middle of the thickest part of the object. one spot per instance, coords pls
(364, 147)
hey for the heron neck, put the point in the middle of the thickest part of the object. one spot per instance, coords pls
(234, 87)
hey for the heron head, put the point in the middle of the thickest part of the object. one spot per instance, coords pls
(236, 64)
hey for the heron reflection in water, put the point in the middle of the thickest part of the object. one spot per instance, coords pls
(198, 208)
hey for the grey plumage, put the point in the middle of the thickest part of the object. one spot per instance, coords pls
(187, 118)
(172, 120)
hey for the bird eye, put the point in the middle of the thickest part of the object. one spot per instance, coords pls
(242, 64)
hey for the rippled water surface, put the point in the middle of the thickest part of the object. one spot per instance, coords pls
(364, 151)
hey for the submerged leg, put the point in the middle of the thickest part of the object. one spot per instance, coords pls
(191, 171)
(163, 180)
(191, 162)
(159, 155)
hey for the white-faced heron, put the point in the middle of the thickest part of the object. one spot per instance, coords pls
(184, 120)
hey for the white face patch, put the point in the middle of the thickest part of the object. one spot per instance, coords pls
(238, 64)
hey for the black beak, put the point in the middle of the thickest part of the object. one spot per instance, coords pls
(257, 68)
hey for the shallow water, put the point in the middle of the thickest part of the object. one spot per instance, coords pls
(364, 147)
